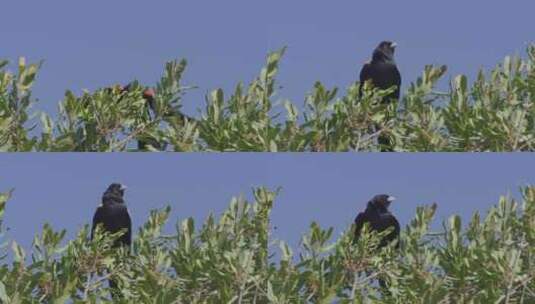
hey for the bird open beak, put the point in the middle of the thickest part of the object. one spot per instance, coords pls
(393, 45)
(123, 187)
(391, 199)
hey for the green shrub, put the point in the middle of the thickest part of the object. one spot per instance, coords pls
(495, 113)
(231, 259)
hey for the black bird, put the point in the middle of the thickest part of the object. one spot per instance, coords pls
(379, 219)
(113, 216)
(382, 70)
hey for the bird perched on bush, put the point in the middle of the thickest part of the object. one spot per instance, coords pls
(382, 70)
(383, 74)
(113, 216)
(149, 95)
(379, 219)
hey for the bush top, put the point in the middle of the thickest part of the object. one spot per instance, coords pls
(494, 113)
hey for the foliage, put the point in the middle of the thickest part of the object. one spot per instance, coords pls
(233, 260)
(495, 113)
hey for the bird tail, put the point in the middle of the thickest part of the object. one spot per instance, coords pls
(114, 291)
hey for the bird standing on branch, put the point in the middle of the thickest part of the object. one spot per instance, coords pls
(382, 70)
(379, 219)
(113, 216)
(383, 73)
(149, 95)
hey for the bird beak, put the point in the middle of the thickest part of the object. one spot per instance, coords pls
(391, 199)
(393, 45)
(123, 187)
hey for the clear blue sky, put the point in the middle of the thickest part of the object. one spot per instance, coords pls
(97, 43)
(64, 189)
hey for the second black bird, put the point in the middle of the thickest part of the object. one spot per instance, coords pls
(113, 216)
(379, 219)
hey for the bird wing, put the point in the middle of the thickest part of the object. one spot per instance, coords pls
(120, 220)
(97, 219)
(359, 223)
(123, 221)
(391, 221)
(365, 74)
(383, 75)
(397, 229)
(128, 235)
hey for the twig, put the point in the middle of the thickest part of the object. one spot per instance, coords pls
(354, 287)
(86, 288)
(134, 134)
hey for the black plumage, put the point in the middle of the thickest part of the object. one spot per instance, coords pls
(379, 219)
(113, 215)
(382, 70)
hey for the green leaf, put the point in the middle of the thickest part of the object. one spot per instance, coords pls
(3, 295)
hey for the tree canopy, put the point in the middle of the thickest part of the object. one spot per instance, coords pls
(494, 113)
(232, 258)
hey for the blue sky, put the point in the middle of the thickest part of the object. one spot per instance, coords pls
(64, 189)
(97, 43)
